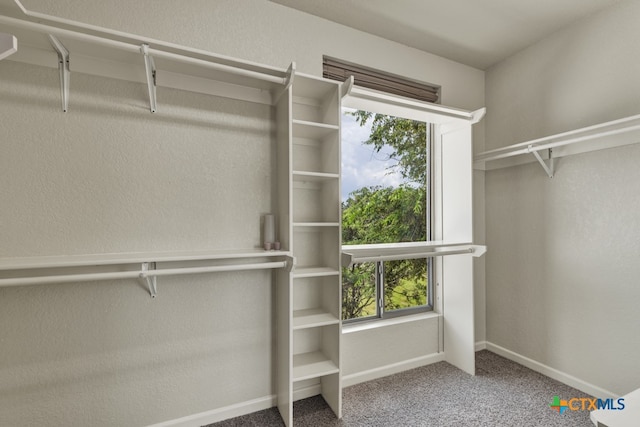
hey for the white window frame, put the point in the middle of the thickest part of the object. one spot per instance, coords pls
(381, 313)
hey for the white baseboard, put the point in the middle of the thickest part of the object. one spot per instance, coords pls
(215, 415)
(267, 402)
(237, 410)
(550, 372)
(394, 368)
(481, 345)
(304, 392)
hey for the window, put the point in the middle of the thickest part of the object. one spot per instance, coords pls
(386, 194)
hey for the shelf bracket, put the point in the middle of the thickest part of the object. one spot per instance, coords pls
(291, 263)
(288, 81)
(150, 69)
(151, 282)
(291, 72)
(548, 169)
(63, 67)
(346, 87)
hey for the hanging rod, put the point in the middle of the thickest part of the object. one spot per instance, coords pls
(145, 272)
(576, 136)
(602, 131)
(135, 48)
(358, 260)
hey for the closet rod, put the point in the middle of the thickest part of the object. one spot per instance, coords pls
(213, 269)
(548, 145)
(135, 48)
(542, 144)
(137, 274)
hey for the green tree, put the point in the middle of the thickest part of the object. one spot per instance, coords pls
(384, 215)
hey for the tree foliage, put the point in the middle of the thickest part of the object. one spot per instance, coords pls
(407, 138)
(384, 215)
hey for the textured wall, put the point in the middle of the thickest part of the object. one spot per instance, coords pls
(561, 268)
(108, 176)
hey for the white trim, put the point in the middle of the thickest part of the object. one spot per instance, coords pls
(305, 392)
(236, 410)
(550, 372)
(481, 345)
(350, 328)
(220, 414)
(394, 368)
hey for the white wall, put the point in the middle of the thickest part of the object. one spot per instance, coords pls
(561, 267)
(108, 176)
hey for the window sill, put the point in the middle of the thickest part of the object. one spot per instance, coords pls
(375, 324)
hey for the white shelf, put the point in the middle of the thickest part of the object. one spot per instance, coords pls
(394, 105)
(312, 130)
(312, 318)
(224, 261)
(353, 254)
(304, 176)
(109, 53)
(312, 365)
(300, 272)
(28, 263)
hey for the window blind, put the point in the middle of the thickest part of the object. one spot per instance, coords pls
(369, 78)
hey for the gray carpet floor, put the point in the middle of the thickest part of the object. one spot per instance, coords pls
(502, 393)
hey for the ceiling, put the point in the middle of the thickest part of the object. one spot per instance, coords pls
(478, 33)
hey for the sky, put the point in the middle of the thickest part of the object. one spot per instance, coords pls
(361, 165)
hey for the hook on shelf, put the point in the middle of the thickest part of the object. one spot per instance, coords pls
(63, 67)
(151, 282)
(150, 69)
(549, 169)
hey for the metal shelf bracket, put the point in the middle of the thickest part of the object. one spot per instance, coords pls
(63, 67)
(151, 282)
(150, 68)
(549, 169)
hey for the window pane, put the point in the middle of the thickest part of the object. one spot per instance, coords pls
(359, 291)
(384, 179)
(405, 284)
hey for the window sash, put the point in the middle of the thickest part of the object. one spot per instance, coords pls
(381, 313)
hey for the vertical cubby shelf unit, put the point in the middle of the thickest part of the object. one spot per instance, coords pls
(309, 303)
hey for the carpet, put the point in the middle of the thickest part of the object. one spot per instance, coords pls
(503, 393)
